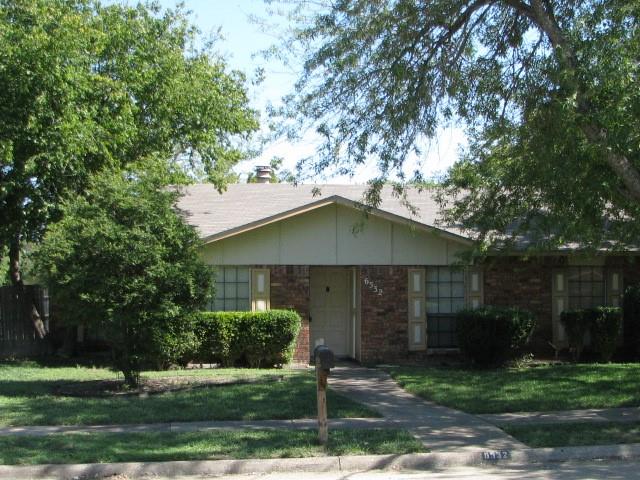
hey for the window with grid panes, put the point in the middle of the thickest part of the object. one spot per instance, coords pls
(445, 297)
(232, 289)
(586, 287)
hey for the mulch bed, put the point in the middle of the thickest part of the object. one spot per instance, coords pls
(152, 386)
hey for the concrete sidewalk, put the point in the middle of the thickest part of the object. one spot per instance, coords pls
(616, 415)
(439, 428)
(345, 464)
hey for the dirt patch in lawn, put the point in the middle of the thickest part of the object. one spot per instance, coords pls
(152, 386)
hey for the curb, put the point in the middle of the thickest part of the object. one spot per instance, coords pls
(420, 461)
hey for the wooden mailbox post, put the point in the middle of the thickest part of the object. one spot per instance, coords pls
(324, 363)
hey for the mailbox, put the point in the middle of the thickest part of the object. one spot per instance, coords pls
(324, 357)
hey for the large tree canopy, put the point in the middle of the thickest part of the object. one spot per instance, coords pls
(547, 89)
(85, 86)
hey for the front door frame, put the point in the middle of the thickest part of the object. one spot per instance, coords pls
(353, 330)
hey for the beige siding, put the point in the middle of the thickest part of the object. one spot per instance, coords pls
(362, 240)
(333, 235)
(250, 248)
(409, 243)
(310, 238)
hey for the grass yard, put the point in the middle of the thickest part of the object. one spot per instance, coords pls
(93, 448)
(575, 434)
(539, 388)
(27, 398)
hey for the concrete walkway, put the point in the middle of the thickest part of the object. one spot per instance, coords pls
(439, 428)
(617, 415)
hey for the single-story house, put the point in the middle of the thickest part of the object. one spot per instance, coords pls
(381, 288)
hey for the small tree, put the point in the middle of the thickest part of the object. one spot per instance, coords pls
(124, 261)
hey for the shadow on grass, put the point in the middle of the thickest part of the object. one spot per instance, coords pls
(200, 446)
(28, 403)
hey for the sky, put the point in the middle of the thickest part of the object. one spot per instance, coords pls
(241, 44)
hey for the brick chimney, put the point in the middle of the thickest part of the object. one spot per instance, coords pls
(263, 174)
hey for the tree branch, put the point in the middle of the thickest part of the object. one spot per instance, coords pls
(545, 20)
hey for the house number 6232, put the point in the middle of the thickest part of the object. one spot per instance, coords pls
(371, 285)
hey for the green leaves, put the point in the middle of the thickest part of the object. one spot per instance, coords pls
(87, 87)
(547, 90)
(123, 262)
(258, 339)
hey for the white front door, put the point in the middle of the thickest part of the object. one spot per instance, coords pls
(330, 309)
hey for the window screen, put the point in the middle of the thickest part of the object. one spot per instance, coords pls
(232, 289)
(445, 297)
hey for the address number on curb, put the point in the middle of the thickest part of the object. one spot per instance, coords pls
(496, 455)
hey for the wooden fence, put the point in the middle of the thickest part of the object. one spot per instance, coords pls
(18, 337)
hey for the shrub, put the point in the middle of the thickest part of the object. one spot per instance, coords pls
(631, 308)
(256, 339)
(605, 323)
(173, 343)
(124, 262)
(576, 326)
(491, 335)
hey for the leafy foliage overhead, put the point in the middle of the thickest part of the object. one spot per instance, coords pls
(86, 86)
(547, 89)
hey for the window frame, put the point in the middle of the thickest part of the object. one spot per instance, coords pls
(436, 319)
(576, 300)
(216, 299)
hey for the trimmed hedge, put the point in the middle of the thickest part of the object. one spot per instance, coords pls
(256, 339)
(603, 323)
(491, 335)
(606, 323)
(576, 326)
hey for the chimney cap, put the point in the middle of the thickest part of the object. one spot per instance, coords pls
(263, 173)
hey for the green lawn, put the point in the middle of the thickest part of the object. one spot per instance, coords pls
(575, 434)
(540, 388)
(26, 399)
(92, 448)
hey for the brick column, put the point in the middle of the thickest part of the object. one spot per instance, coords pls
(290, 290)
(384, 313)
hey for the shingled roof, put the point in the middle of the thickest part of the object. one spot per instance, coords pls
(245, 206)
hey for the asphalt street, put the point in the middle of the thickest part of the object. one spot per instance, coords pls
(610, 470)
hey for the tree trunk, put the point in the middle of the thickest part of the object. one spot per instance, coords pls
(131, 378)
(16, 279)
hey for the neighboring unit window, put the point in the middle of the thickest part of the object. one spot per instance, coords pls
(232, 289)
(586, 287)
(445, 297)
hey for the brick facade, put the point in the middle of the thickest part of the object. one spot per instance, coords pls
(527, 284)
(384, 313)
(290, 289)
(508, 281)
